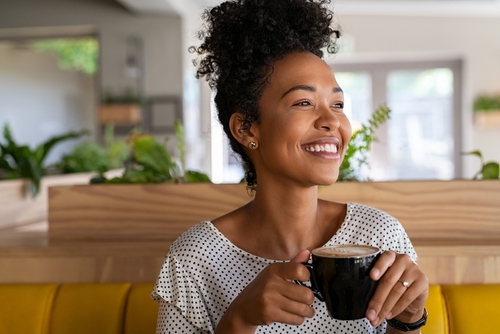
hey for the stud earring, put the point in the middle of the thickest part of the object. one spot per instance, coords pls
(252, 145)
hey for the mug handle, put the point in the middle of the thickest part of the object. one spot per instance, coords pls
(314, 284)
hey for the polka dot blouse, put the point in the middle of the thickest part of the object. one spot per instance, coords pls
(204, 272)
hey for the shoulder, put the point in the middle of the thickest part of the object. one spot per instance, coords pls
(200, 240)
(370, 216)
(367, 225)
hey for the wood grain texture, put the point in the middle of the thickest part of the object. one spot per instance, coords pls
(111, 233)
(83, 262)
(137, 211)
(18, 207)
(440, 210)
(433, 210)
(140, 261)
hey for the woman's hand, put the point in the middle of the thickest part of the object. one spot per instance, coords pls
(393, 299)
(271, 297)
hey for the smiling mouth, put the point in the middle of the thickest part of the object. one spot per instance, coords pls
(330, 148)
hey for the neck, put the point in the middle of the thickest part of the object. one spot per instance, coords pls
(287, 219)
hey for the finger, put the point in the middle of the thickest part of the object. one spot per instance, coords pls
(384, 262)
(414, 297)
(380, 304)
(302, 257)
(398, 293)
(291, 271)
(299, 309)
(285, 317)
(298, 293)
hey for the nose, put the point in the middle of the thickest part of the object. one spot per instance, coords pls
(327, 120)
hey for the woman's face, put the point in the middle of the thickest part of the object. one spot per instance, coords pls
(303, 132)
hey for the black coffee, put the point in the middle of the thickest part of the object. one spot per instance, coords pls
(341, 276)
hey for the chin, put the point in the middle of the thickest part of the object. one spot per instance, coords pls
(328, 181)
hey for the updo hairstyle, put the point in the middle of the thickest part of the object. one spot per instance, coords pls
(241, 41)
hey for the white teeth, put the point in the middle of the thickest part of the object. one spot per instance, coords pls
(322, 148)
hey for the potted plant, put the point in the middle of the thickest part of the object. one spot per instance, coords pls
(24, 178)
(94, 157)
(356, 156)
(22, 162)
(125, 109)
(489, 170)
(487, 111)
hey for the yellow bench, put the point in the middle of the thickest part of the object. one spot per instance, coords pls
(125, 308)
(98, 308)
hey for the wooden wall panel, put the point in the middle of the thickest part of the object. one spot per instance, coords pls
(433, 210)
(18, 207)
(137, 211)
(458, 209)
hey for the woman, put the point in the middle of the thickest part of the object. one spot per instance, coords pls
(282, 109)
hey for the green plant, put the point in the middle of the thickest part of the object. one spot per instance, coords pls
(20, 161)
(356, 155)
(93, 157)
(128, 96)
(489, 170)
(152, 163)
(74, 54)
(486, 103)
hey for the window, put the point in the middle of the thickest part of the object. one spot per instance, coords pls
(422, 138)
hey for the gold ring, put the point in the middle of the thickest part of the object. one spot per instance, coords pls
(405, 283)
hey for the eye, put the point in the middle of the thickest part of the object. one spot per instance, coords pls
(302, 104)
(339, 105)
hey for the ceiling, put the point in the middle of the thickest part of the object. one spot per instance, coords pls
(445, 8)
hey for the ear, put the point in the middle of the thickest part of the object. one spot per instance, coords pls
(243, 135)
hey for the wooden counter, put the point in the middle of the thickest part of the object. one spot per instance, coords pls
(113, 233)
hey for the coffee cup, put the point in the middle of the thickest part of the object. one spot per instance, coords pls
(340, 277)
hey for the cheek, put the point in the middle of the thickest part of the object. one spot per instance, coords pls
(346, 129)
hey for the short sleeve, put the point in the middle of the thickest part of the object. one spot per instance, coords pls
(178, 288)
(171, 320)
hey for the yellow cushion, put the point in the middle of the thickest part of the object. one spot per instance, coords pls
(89, 308)
(141, 312)
(25, 308)
(473, 308)
(437, 321)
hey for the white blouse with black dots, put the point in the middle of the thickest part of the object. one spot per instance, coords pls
(204, 272)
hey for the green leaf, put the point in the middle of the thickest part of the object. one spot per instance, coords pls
(152, 155)
(43, 149)
(7, 134)
(476, 152)
(137, 176)
(80, 54)
(491, 171)
(192, 176)
(360, 144)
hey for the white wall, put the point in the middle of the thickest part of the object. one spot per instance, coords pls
(39, 101)
(475, 40)
(113, 24)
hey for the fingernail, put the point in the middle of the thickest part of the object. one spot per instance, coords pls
(371, 314)
(376, 273)
(389, 315)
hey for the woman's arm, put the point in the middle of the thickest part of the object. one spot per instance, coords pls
(271, 297)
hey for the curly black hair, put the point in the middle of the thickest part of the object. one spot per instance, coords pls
(241, 41)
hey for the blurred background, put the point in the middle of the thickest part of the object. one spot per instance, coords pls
(64, 64)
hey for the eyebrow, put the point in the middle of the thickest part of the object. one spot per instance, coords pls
(309, 89)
